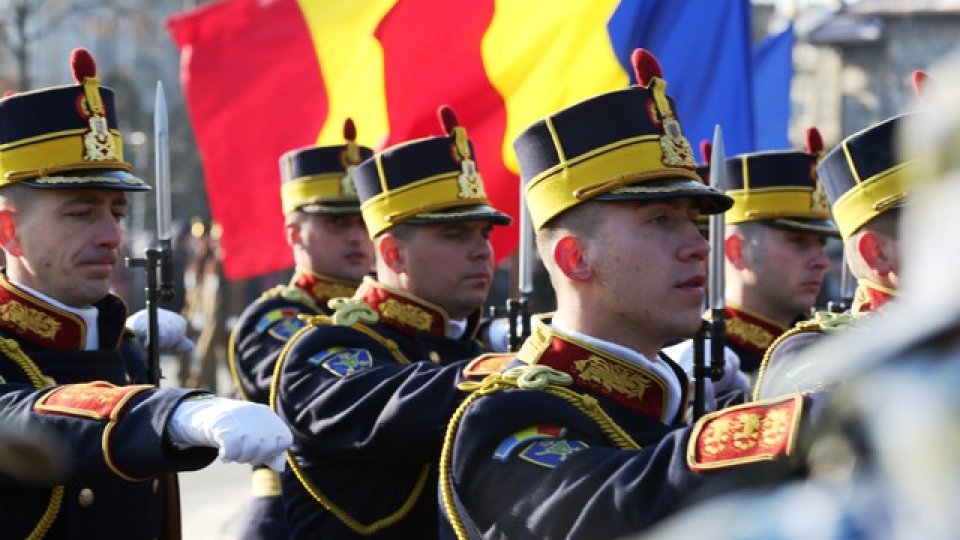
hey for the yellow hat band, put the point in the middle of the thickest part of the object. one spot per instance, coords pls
(599, 171)
(53, 153)
(320, 188)
(871, 197)
(428, 195)
(772, 203)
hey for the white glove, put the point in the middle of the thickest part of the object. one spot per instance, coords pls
(733, 379)
(243, 431)
(498, 335)
(172, 329)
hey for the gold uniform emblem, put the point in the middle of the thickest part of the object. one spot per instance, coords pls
(29, 319)
(470, 182)
(406, 314)
(346, 182)
(97, 141)
(676, 148)
(612, 377)
(819, 202)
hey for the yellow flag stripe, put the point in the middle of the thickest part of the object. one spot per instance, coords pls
(351, 62)
(539, 68)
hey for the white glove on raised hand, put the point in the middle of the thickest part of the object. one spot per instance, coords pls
(172, 328)
(244, 432)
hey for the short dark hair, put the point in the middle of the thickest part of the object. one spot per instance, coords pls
(402, 231)
(21, 196)
(751, 231)
(887, 223)
(581, 220)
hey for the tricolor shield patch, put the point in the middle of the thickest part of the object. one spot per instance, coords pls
(533, 433)
(280, 324)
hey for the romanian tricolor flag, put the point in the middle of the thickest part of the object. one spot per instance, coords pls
(265, 76)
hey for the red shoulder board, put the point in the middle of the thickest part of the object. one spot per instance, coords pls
(487, 364)
(757, 431)
(97, 400)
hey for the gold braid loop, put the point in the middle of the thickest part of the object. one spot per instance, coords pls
(537, 377)
(490, 384)
(534, 377)
(832, 322)
(11, 349)
(349, 311)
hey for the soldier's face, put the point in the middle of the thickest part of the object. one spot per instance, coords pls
(335, 245)
(785, 271)
(67, 243)
(647, 266)
(449, 264)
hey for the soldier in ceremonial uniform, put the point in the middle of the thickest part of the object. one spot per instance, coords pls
(867, 183)
(884, 460)
(69, 370)
(774, 248)
(582, 433)
(332, 253)
(368, 391)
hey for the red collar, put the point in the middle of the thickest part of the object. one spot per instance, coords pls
(402, 310)
(38, 322)
(599, 372)
(750, 331)
(322, 288)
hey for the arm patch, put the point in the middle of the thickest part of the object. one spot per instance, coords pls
(343, 361)
(97, 400)
(487, 364)
(748, 433)
(544, 445)
(551, 453)
(280, 324)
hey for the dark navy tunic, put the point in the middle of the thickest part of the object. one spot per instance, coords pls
(255, 343)
(368, 396)
(111, 433)
(571, 441)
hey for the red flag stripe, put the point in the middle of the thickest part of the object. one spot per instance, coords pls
(420, 76)
(255, 91)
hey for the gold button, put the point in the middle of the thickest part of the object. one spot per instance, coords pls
(156, 485)
(85, 498)
(434, 357)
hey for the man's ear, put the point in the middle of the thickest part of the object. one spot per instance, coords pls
(9, 237)
(390, 251)
(570, 257)
(733, 247)
(871, 248)
(292, 232)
